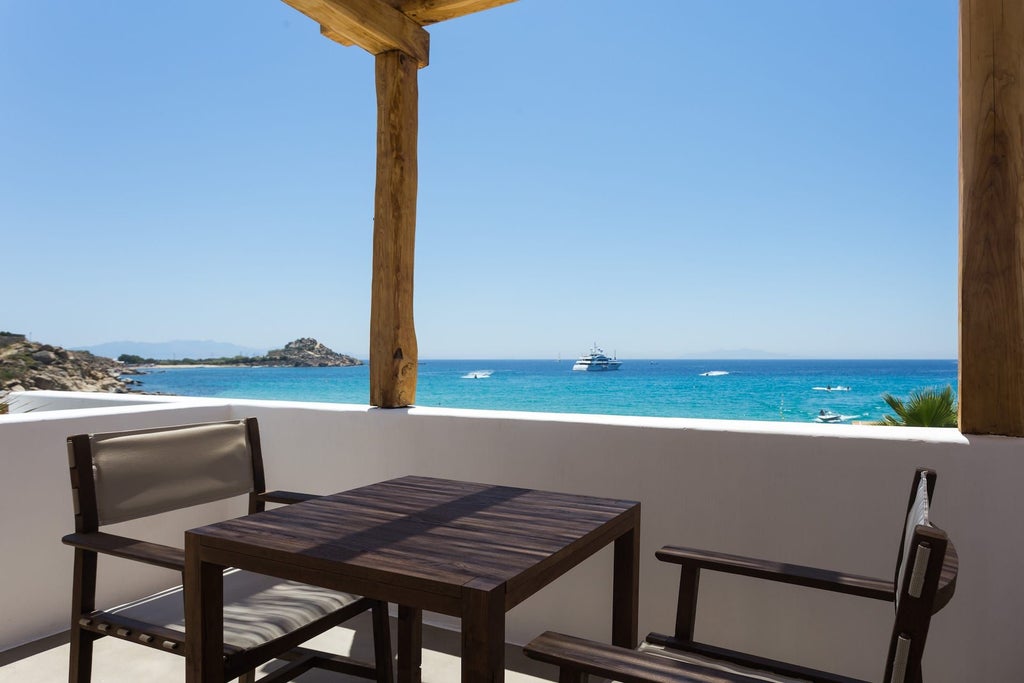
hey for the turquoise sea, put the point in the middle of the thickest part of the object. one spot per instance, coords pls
(777, 390)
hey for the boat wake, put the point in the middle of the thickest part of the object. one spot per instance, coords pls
(714, 373)
(831, 388)
(478, 374)
(828, 417)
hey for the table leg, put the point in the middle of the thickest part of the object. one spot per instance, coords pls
(204, 617)
(483, 635)
(626, 588)
(410, 644)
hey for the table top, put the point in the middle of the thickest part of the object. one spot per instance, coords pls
(430, 534)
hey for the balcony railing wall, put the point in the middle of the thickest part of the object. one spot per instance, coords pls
(823, 495)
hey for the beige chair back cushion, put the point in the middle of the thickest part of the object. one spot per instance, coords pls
(145, 472)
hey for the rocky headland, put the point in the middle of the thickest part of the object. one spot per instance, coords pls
(27, 365)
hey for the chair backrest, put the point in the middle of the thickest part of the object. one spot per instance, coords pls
(926, 571)
(921, 491)
(120, 476)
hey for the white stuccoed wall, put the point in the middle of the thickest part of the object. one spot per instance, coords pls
(824, 495)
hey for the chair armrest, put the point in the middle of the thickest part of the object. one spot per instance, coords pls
(838, 582)
(129, 548)
(617, 663)
(286, 497)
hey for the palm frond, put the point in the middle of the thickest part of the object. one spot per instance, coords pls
(929, 407)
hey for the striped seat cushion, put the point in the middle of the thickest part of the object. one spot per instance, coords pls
(257, 608)
(717, 664)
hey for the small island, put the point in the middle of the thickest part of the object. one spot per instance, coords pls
(301, 353)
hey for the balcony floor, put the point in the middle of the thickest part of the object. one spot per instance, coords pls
(115, 661)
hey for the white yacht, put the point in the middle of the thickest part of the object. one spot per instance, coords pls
(596, 361)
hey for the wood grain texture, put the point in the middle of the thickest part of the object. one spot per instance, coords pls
(428, 534)
(129, 548)
(991, 383)
(426, 12)
(393, 349)
(459, 548)
(373, 25)
(794, 574)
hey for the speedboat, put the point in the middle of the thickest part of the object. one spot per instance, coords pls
(596, 361)
(828, 416)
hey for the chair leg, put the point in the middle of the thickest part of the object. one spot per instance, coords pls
(83, 601)
(248, 677)
(80, 665)
(383, 656)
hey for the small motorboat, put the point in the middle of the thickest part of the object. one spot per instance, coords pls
(828, 416)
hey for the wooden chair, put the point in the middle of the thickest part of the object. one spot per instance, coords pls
(926, 569)
(116, 477)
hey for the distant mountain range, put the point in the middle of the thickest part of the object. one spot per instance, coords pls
(179, 348)
(735, 354)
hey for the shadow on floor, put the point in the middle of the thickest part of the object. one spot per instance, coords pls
(46, 660)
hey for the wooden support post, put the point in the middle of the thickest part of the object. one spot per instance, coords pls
(393, 352)
(992, 217)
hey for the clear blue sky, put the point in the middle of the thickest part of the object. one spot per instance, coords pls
(665, 178)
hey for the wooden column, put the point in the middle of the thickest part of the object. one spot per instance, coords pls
(393, 353)
(992, 217)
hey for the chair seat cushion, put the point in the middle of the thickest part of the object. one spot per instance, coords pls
(717, 664)
(257, 608)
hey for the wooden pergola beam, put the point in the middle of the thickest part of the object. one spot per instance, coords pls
(374, 25)
(421, 12)
(991, 366)
(426, 12)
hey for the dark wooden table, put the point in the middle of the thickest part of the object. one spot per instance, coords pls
(468, 550)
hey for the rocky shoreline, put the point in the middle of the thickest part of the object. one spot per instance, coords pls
(26, 365)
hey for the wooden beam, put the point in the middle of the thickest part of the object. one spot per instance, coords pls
(373, 25)
(393, 352)
(327, 32)
(425, 12)
(992, 217)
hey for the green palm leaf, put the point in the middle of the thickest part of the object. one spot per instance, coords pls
(925, 408)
